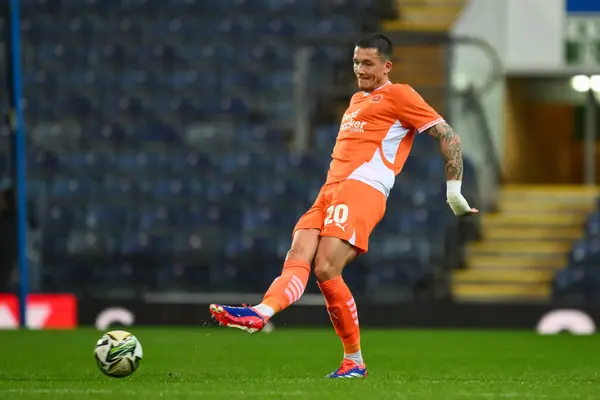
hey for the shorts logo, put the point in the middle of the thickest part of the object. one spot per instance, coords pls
(351, 124)
(334, 316)
(342, 227)
(337, 215)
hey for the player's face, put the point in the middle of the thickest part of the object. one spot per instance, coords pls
(370, 70)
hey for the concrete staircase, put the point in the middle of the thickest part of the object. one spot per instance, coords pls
(425, 15)
(524, 244)
(424, 66)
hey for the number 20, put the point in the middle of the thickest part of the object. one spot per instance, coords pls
(337, 214)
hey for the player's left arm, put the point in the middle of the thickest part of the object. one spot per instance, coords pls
(412, 109)
(451, 150)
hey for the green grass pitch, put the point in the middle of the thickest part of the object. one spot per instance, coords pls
(216, 363)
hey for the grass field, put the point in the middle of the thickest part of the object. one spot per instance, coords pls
(215, 363)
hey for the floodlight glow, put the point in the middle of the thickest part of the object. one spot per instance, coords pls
(595, 83)
(581, 83)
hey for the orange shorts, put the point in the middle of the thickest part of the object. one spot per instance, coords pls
(348, 210)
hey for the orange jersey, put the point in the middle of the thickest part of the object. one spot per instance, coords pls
(376, 135)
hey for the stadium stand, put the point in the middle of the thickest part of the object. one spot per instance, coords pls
(579, 280)
(159, 148)
(524, 243)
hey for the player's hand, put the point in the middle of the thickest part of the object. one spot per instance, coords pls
(457, 202)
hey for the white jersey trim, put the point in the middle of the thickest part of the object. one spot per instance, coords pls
(374, 90)
(430, 124)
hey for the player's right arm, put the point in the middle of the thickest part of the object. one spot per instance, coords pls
(412, 109)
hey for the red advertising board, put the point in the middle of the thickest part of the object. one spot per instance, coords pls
(44, 311)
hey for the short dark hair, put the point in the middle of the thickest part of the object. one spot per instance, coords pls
(379, 42)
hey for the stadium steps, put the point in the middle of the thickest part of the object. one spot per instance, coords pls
(524, 244)
(424, 66)
(425, 15)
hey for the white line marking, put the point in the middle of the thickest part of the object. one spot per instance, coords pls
(137, 392)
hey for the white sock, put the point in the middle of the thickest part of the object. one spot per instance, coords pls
(264, 310)
(356, 357)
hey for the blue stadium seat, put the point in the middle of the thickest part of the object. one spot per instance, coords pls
(103, 216)
(256, 219)
(230, 215)
(592, 225)
(325, 135)
(115, 186)
(64, 187)
(159, 139)
(587, 249)
(577, 284)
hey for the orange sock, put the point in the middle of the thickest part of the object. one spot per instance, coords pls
(287, 288)
(342, 312)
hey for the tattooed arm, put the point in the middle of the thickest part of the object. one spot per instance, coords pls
(452, 152)
(450, 148)
(411, 107)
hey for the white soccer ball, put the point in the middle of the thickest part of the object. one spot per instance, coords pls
(118, 354)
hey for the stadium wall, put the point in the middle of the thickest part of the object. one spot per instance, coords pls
(65, 311)
(470, 66)
(528, 35)
(545, 319)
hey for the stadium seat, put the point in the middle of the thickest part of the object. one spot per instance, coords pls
(160, 144)
(579, 280)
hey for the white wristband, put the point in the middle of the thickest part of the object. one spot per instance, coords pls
(455, 199)
(453, 186)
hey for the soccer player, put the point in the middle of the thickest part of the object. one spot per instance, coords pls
(375, 138)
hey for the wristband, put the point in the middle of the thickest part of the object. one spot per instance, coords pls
(453, 186)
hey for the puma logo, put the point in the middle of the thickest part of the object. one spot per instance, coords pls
(333, 315)
(342, 227)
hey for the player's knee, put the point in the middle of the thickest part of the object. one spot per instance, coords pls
(301, 251)
(304, 245)
(332, 256)
(298, 253)
(325, 269)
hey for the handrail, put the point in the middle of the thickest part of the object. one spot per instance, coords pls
(473, 101)
(497, 73)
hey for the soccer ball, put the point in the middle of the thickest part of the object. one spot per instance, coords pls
(118, 354)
